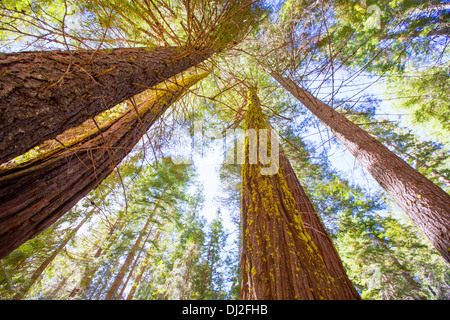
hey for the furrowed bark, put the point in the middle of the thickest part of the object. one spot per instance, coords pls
(287, 253)
(427, 205)
(319, 235)
(44, 93)
(35, 194)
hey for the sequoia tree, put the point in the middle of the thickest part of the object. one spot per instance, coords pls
(34, 194)
(426, 204)
(43, 93)
(287, 253)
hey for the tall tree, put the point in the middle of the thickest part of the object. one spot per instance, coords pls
(125, 268)
(36, 193)
(43, 93)
(39, 99)
(90, 268)
(142, 269)
(426, 204)
(280, 259)
(155, 194)
(211, 279)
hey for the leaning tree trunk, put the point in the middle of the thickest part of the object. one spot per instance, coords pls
(44, 93)
(426, 204)
(35, 194)
(281, 258)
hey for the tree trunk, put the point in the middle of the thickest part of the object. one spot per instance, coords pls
(92, 269)
(316, 230)
(426, 204)
(208, 271)
(280, 258)
(35, 194)
(142, 270)
(138, 278)
(37, 273)
(135, 264)
(187, 284)
(43, 93)
(130, 257)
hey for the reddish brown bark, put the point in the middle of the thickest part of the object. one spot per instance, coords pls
(35, 194)
(287, 253)
(44, 93)
(315, 228)
(426, 204)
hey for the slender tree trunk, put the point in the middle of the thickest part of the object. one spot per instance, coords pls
(135, 263)
(142, 269)
(35, 194)
(186, 287)
(37, 273)
(281, 258)
(54, 293)
(130, 257)
(426, 204)
(44, 93)
(91, 270)
(208, 271)
(138, 278)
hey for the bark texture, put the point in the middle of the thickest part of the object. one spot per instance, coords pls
(427, 205)
(316, 230)
(44, 93)
(35, 194)
(286, 252)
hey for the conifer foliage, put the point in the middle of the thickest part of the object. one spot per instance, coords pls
(235, 149)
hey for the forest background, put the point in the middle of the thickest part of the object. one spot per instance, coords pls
(154, 226)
